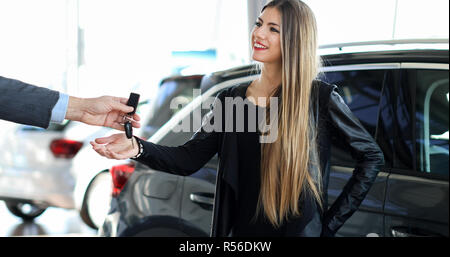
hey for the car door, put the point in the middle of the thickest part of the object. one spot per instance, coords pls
(197, 198)
(362, 89)
(417, 191)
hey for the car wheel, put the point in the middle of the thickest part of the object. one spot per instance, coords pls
(163, 226)
(97, 200)
(26, 211)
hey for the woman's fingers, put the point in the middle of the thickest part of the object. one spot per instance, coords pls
(104, 152)
(114, 147)
(100, 149)
(110, 139)
(103, 140)
(95, 146)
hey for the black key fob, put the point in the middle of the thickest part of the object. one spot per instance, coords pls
(133, 101)
(128, 129)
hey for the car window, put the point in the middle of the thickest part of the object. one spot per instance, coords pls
(160, 111)
(186, 128)
(177, 138)
(432, 105)
(361, 91)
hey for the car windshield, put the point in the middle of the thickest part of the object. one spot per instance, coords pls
(179, 90)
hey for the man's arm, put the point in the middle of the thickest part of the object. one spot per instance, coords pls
(31, 105)
(26, 104)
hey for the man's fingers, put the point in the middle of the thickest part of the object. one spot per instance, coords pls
(123, 100)
(120, 104)
(135, 124)
(136, 117)
(122, 107)
(117, 125)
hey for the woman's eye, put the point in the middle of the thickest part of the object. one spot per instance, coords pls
(274, 30)
(258, 24)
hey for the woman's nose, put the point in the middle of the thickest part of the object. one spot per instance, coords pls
(259, 34)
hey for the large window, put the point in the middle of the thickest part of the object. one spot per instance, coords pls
(361, 91)
(432, 99)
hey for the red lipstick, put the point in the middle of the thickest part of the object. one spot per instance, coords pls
(258, 48)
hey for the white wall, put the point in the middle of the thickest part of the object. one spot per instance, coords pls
(368, 20)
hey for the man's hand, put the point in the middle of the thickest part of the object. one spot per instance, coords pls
(104, 111)
(116, 146)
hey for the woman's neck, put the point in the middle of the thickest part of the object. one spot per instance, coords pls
(270, 78)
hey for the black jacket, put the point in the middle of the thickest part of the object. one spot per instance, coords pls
(335, 120)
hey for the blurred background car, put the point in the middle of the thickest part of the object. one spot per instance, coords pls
(400, 93)
(23, 184)
(35, 165)
(56, 167)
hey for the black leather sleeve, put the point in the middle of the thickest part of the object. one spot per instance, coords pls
(369, 159)
(189, 157)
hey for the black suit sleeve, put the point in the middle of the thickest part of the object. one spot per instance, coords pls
(369, 159)
(26, 104)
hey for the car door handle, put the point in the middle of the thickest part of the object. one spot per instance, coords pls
(411, 232)
(202, 198)
(399, 233)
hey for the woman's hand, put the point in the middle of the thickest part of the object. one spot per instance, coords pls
(117, 146)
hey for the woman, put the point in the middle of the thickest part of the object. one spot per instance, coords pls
(287, 197)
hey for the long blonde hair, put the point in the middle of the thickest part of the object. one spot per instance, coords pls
(290, 165)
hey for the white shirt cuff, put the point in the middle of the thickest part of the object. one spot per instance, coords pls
(60, 109)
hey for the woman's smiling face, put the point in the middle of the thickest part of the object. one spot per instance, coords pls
(266, 37)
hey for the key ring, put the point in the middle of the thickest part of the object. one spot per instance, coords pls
(126, 118)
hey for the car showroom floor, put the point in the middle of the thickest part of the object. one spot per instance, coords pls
(53, 222)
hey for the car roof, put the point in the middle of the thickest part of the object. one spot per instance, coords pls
(416, 50)
(414, 55)
(181, 78)
(406, 50)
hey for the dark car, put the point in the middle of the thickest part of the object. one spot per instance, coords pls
(400, 95)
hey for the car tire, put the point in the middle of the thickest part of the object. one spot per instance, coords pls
(95, 197)
(26, 211)
(163, 226)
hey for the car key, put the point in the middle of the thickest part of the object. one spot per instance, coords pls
(133, 101)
